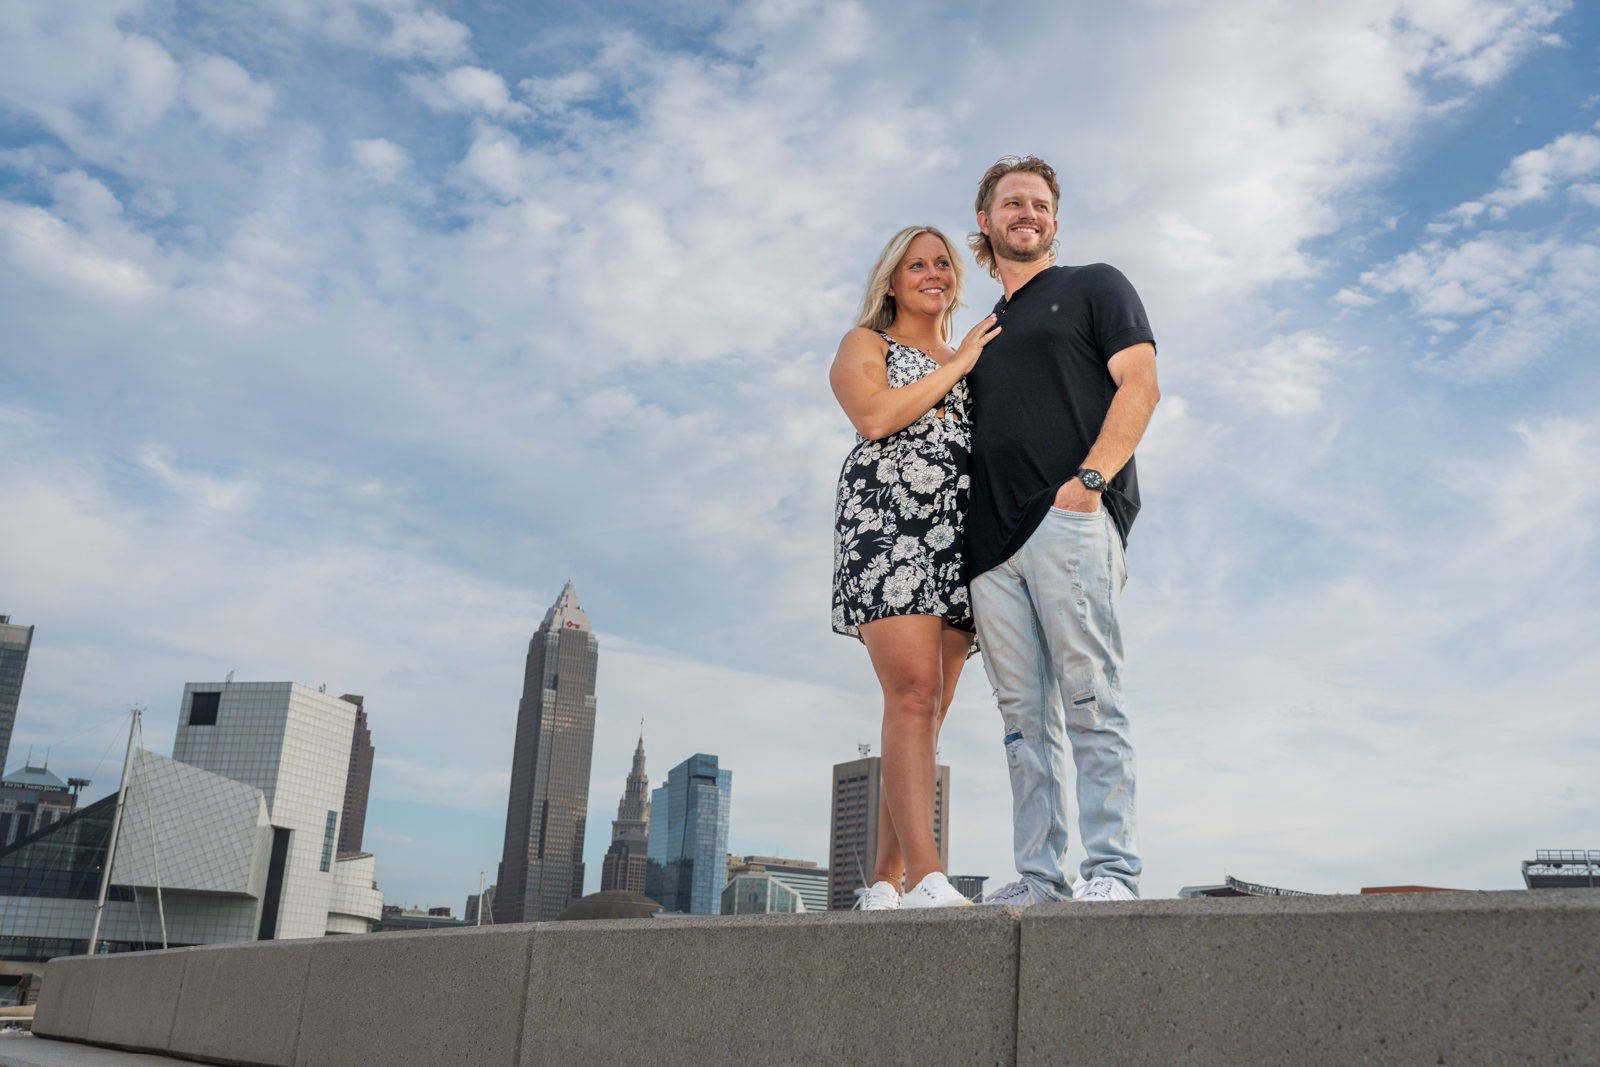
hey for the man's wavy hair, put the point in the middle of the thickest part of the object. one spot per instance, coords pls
(978, 241)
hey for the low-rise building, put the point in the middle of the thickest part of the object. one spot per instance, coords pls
(759, 894)
(803, 876)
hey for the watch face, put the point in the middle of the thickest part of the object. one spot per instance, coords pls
(1091, 479)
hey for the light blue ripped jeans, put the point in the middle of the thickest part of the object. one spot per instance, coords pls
(1047, 623)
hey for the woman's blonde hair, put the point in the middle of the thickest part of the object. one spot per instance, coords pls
(877, 307)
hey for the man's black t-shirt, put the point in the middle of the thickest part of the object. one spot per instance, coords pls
(1040, 393)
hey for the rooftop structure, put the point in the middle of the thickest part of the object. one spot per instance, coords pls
(541, 866)
(1557, 868)
(32, 799)
(1233, 887)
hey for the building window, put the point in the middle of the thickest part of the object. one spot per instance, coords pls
(327, 840)
(203, 709)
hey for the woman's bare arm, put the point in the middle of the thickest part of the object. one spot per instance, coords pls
(860, 380)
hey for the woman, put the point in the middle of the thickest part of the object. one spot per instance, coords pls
(898, 584)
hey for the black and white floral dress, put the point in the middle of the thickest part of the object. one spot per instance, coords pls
(901, 510)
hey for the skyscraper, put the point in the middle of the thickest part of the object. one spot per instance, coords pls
(541, 869)
(626, 861)
(689, 837)
(853, 844)
(14, 644)
(633, 812)
(356, 787)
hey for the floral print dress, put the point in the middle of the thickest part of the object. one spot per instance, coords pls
(901, 509)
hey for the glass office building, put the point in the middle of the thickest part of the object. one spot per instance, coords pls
(689, 837)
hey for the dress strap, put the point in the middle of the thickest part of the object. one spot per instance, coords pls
(886, 337)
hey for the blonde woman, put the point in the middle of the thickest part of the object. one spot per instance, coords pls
(898, 582)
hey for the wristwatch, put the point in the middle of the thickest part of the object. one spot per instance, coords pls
(1092, 480)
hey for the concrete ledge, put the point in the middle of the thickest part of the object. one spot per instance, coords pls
(915, 987)
(135, 1009)
(1414, 978)
(240, 1003)
(1454, 978)
(67, 997)
(431, 997)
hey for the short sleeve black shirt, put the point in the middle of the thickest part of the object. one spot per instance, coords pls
(1040, 393)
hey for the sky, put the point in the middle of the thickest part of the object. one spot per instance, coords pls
(336, 334)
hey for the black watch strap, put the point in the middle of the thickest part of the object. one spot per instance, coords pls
(1091, 479)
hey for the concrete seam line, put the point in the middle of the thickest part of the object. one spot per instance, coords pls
(1016, 990)
(183, 980)
(300, 1014)
(527, 980)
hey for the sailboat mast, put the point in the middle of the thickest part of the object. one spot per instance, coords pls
(111, 845)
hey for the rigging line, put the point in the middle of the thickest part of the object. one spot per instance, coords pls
(80, 733)
(155, 859)
(104, 754)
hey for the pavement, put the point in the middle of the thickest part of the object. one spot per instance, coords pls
(25, 1050)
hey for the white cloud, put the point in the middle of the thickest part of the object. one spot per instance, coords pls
(1523, 293)
(225, 96)
(468, 89)
(381, 158)
(1288, 374)
(426, 34)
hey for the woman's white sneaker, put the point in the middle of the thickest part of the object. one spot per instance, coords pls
(881, 897)
(1104, 889)
(935, 891)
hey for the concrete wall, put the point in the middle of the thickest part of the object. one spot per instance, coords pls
(1451, 978)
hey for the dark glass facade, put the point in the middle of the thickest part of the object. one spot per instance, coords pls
(64, 860)
(541, 868)
(15, 641)
(689, 836)
(352, 828)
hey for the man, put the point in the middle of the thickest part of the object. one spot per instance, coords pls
(1060, 400)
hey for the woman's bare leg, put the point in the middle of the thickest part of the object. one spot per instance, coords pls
(954, 645)
(907, 654)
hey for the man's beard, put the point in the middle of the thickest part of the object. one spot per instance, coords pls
(1004, 249)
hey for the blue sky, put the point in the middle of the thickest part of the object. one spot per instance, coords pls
(338, 333)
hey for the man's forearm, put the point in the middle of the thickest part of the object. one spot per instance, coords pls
(1125, 424)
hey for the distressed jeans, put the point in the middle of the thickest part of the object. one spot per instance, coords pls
(1047, 622)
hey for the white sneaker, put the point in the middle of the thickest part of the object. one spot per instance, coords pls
(935, 891)
(881, 897)
(1103, 889)
(1017, 894)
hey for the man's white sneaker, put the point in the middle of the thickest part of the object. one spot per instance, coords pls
(1017, 894)
(934, 891)
(1103, 889)
(881, 897)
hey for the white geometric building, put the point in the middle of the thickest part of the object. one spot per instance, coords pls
(238, 829)
(292, 743)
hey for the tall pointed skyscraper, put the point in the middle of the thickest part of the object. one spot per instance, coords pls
(633, 812)
(541, 869)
